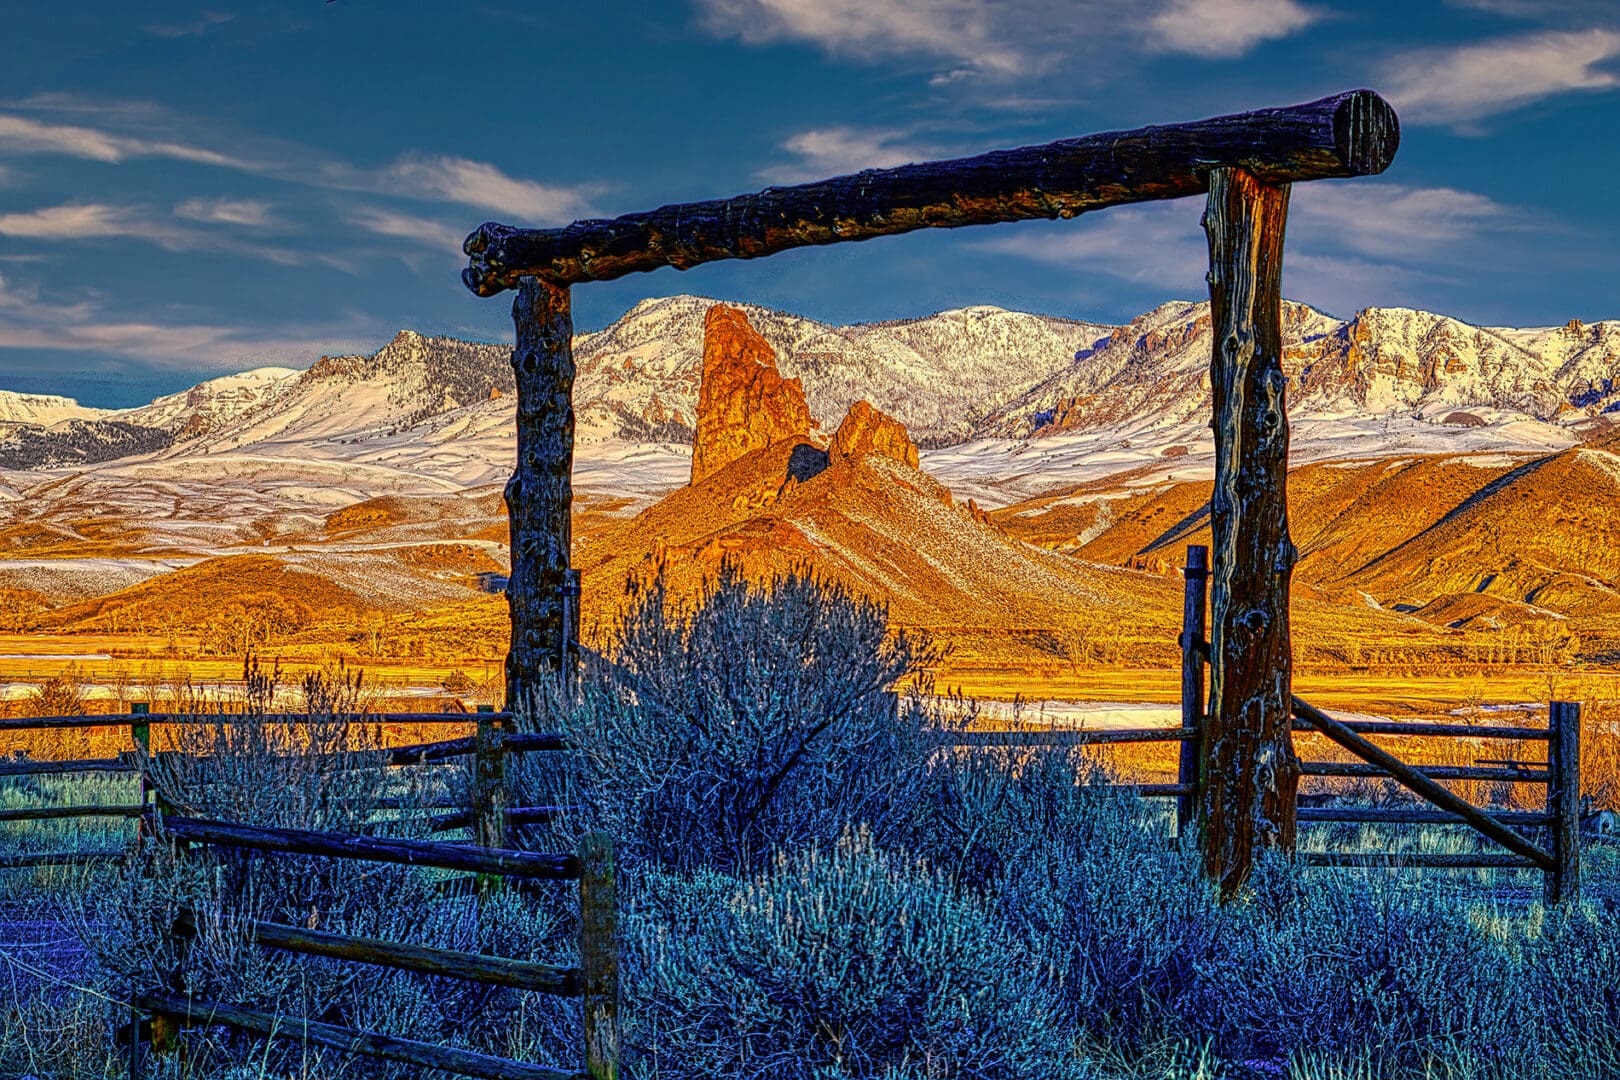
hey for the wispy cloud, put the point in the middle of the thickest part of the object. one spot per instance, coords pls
(1349, 244)
(253, 213)
(424, 177)
(837, 150)
(963, 31)
(1461, 85)
(1007, 38)
(1158, 244)
(30, 321)
(86, 221)
(190, 28)
(1389, 220)
(1225, 27)
(79, 222)
(21, 135)
(418, 230)
(477, 183)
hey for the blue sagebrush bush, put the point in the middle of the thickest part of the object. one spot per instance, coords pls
(759, 717)
(844, 963)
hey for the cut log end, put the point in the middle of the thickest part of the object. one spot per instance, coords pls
(1367, 132)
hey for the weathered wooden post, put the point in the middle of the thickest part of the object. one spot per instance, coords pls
(539, 497)
(489, 787)
(1193, 654)
(1248, 776)
(568, 644)
(1563, 881)
(599, 956)
(140, 736)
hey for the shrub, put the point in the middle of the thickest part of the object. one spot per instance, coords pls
(759, 719)
(852, 963)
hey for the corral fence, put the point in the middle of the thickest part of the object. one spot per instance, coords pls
(1557, 857)
(162, 1011)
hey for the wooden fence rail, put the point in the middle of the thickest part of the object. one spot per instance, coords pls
(595, 981)
(190, 1012)
(450, 963)
(199, 719)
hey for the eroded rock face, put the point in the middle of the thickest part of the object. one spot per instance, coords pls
(744, 404)
(867, 431)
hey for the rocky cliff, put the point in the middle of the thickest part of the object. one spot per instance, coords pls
(744, 403)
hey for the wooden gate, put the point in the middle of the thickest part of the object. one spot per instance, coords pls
(1245, 164)
(1560, 772)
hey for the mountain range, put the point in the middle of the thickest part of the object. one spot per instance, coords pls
(1425, 452)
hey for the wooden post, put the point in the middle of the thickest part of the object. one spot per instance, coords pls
(1563, 881)
(1193, 650)
(568, 644)
(489, 787)
(140, 737)
(539, 497)
(599, 957)
(1352, 134)
(1248, 775)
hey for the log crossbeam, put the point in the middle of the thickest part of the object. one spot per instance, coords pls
(1350, 134)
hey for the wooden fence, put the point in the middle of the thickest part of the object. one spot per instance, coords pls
(1560, 772)
(594, 981)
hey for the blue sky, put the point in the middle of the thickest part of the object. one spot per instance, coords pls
(187, 190)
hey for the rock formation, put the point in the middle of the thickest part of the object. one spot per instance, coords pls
(744, 404)
(867, 431)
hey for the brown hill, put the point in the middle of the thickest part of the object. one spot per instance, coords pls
(1546, 533)
(882, 526)
(197, 595)
(1535, 539)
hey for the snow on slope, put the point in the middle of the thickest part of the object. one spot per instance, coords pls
(1386, 362)
(213, 403)
(43, 409)
(939, 375)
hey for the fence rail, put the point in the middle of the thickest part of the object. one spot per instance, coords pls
(189, 1012)
(195, 719)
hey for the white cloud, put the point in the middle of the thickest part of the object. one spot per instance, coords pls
(427, 177)
(1225, 27)
(476, 183)
(254, 213)
(1158, 244)
(433, 234)
(20, 135)
(84, 221)
(838, 150)
(965, 31)
(1388, 220)
(186, 346)
(97, 221)
(1459, 85)
(1007, 38)
(1349, 243)
(30, 321)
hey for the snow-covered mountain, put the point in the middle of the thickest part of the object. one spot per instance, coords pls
(1385, 362)
(42, 409)
(212, 404)
(940, 375)
(1004, 404)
